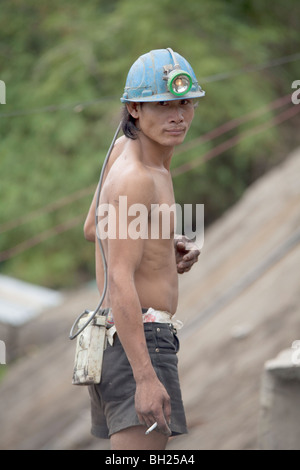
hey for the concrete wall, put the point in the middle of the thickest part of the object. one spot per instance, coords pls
(279, 426)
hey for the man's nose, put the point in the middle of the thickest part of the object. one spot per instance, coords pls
(177, 114)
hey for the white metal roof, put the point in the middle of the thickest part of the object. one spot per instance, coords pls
(21, 301)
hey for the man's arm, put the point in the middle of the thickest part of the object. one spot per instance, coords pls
(89, 228)
(89, 225)
(124, 257)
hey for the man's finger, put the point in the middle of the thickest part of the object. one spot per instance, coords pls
(181, 246)
(191, 255)
(163, 427)
(145, 420)
(191, 246)
(184, 268)
(187, 246)
(163, 417)
(167, 410)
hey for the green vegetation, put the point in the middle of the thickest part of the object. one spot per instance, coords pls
(55, 55)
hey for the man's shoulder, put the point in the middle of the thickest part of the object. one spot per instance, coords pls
(134, 181)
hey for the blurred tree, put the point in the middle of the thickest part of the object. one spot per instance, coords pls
(65, 65)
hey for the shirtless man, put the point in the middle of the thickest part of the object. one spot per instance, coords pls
(139, 385)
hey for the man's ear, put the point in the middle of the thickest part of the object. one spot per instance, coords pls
(133, 109)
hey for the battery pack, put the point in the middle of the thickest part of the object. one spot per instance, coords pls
(90, 346)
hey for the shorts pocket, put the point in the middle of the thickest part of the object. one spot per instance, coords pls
(117, 381)
(167, 341)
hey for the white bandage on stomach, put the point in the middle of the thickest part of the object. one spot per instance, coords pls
(151, 316)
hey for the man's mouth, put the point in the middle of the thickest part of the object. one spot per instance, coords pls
(175, 130)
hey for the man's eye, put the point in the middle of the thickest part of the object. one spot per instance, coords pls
(163, 103)
(185, 102)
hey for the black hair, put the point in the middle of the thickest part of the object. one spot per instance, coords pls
(129, 124)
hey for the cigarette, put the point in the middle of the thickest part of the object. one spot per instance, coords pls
(151, 428)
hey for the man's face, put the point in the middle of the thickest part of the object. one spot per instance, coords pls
(164, 122)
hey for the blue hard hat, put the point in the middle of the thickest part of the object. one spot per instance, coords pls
(161, 75)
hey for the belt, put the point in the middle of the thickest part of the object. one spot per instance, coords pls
(149, 315)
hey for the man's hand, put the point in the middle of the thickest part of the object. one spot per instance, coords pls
(187, 253)
(152, 404)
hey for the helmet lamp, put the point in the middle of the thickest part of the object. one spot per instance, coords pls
(179, 82)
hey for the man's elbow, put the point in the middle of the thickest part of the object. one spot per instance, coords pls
(119, 279)
(89, 232)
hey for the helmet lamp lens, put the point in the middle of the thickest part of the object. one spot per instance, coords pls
(179, 82)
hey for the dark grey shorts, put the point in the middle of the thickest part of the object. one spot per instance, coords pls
(112, 401)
